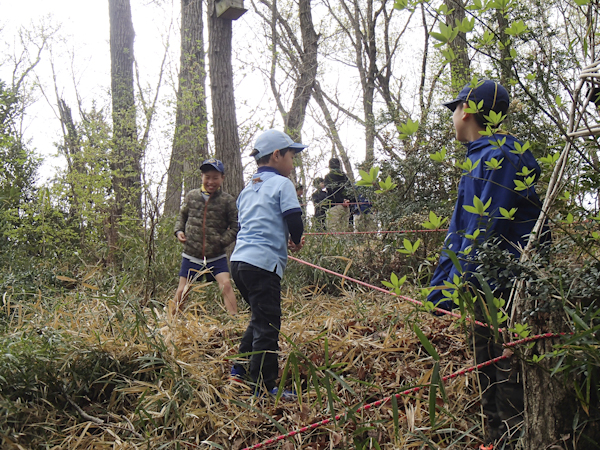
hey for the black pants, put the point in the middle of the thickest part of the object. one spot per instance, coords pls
(501, 387)
(262, 291)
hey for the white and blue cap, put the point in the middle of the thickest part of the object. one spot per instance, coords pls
(213, 163)
(272, 140)
(493, 94)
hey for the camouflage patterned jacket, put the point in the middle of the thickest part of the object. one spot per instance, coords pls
(209, 225)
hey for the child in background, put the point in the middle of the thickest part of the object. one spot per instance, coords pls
(207, 224)
(269, 214)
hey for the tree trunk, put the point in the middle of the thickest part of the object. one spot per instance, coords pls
(550, 401)
(190, 139)
(505, 60)
(307, 72)
(333, 131)
(460, 66)
(126, 155)
(227, 144)
(302, 56)
(365, 48)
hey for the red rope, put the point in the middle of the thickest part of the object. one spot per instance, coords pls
(408, 391)
(371, 232)
(408, 299)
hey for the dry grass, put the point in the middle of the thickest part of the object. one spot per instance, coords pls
(163, 382)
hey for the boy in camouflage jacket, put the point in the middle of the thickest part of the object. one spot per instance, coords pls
(207, 224)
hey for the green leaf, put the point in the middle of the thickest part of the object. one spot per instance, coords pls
(448, 55)
(475, 6)
(488, 37)
(454, 259)
(516, 28)
(446, 34)
(525, 184)
(494, 164)
(434, 222)
(490, 301)
(569, 219)
(439, 156)
(425, 342)
(550, 159)
(578, 320)
(566, 196)
(494, 118)
(386, 185)
(525, 171)
(473, 236)
(435, 376)
(367, 179)
(506, 214)
(468, 165)
(499, 143)
(408, 129)
(396, 416)
(501, 5)
(466, 26)
(409, 247)
(522, 330)
(520, 149)
(558, 101)
(478, 207)
(473, 108)
(582, 2)
(401, 4)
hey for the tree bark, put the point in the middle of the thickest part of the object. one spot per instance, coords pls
(227, 144)
(550, 401)
(333, 132)
(505, 60)
(460, 66)
(126, 155)
(365, 49)
(190, 145)
(304, 64)
(307, 73)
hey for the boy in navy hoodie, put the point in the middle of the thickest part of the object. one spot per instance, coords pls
(501, 172)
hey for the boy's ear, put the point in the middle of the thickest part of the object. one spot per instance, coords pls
(276, 154)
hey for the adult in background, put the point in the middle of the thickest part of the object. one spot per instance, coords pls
(318, 198)
(338, 190)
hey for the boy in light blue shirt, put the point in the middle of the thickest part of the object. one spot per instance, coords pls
(270, 219)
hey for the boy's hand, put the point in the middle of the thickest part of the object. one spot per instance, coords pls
(181, 236)
(296, 247)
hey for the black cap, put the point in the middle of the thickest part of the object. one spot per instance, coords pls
(494, 96)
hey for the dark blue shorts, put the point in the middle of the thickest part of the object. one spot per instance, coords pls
(188, 268)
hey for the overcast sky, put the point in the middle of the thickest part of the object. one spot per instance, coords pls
(80, 50)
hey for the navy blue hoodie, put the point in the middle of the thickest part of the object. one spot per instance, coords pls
(499, 186)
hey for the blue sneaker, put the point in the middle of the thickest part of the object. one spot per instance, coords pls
(238, 373)
(286, 395)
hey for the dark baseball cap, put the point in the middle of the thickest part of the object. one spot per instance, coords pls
(214, 163)
(272, 140)
(494, 96)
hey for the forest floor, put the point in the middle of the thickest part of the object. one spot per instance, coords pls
(97, 371)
